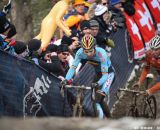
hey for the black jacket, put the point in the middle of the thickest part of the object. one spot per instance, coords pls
(56, 67)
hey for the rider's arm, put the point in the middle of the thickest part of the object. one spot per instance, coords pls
(144, 73)
(73, 67)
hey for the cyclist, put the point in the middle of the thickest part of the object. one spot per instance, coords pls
(152, 59)
(90, 52)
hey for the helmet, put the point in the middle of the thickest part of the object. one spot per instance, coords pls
(155, 43)
(88, 42)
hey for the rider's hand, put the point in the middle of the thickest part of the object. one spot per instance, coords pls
(95, 85)
(136, 86)
(64, 82)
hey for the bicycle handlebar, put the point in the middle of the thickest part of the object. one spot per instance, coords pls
(133, 91)
(78, 86)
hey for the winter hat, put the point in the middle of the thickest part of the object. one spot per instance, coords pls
(100, 9)
(79, 2)
(63, 48)
(94, 23)
(34, 45)
(129, 9)
(20, 47)
(51, 48)
(75, 33)
(84, 25)
(114, 2)
(66, 40)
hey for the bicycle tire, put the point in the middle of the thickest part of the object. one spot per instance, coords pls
(133, 112)
(95, 110)
(80, 112)
(105, 109)
(75, 109)
(150, 107)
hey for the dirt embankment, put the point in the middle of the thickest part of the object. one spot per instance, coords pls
(78, 124)
(122, 106)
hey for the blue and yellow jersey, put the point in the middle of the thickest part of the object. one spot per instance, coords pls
(100, 57)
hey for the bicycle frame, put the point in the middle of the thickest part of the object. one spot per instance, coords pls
(149, 111)
(133, 110)
(78, 106)
(150, 104)
(150, 107)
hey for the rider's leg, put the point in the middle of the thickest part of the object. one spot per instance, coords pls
(105, 90)
(105, 109)
(106, 86)
(98, 99)
(99, 111)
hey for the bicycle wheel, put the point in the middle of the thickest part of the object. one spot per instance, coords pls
(95, 110)
(150, 107)
(105, 109)
(75, 110)
(133, 112)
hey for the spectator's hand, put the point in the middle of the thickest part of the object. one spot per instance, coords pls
(35, 61)
(95, 85)
(47, 57)
(114, 25)
(68, 32)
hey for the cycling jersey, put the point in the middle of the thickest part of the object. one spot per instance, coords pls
(100, 57)
(150, 61)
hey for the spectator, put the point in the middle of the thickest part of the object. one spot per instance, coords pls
(31, 50)
(11, 46)
(117, 13)
(103, 16)
(102, 40)
(70, 11)
(73, 42)
(85, 28)
(56, 62)
(6, 27)
(105, 3)
(79, 15)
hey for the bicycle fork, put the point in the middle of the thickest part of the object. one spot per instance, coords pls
(77, 108)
